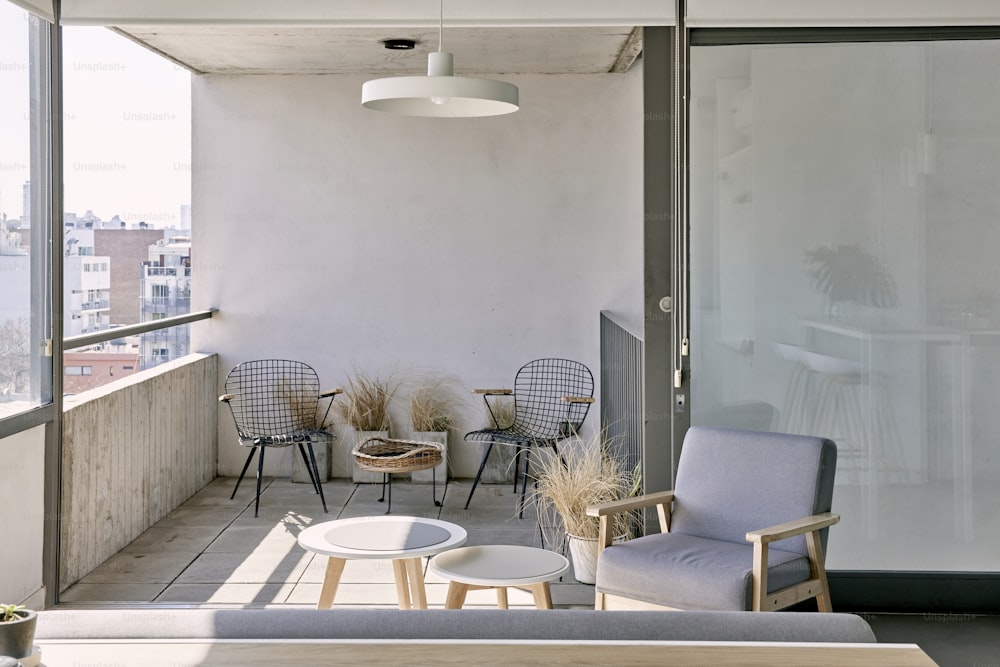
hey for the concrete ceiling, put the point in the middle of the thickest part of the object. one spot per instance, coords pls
(241, 49)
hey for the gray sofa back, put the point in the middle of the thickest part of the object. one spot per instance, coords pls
(481, 624)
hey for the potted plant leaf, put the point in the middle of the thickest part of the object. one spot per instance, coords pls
(848, 274)
(17, 630)
(430, 420)
(365, 408)
(584, 473)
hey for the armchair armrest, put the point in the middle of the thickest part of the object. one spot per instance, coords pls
(577, 399)
(605, 511)
(627, 504)
(816, 586)
(225, 398)
(793, 528)
(331, 392)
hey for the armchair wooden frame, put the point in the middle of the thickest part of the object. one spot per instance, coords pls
(815, 587)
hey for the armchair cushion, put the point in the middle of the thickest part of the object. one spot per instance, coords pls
(692, 572)
(730, 482)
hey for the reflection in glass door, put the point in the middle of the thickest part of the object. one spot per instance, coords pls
(845, 282)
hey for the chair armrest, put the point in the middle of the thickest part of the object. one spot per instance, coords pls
(493, 392)
(225, 398)
(577, 399)
(793, 528)
(628, 504)
(604, 512)
(329, 393)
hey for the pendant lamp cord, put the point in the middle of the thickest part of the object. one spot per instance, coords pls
(441, 26)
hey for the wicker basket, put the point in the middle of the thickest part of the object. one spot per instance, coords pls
(377, 454)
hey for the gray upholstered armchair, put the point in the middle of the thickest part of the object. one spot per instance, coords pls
(745, 527)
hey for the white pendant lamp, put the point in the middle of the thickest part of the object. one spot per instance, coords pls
(440, 93)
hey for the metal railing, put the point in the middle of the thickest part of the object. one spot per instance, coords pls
(73, 342)
(621, 391)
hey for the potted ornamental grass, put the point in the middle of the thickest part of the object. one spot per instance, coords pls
(584, 473)
(364, 407)
(17, 631)
(431, 408)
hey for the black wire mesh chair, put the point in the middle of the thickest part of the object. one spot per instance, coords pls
(551, 400)
(274, 403)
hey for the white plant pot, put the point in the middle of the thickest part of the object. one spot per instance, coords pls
(439, 472)
(357, 474)
(583, 551)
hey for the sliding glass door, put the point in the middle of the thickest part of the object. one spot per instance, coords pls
(845, 278)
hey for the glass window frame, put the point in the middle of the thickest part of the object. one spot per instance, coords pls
(45, 168)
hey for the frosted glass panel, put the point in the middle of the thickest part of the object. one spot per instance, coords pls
(845, 236)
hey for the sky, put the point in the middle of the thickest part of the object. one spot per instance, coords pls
(127, 125)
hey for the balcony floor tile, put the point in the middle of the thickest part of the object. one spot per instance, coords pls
(127, 567)
(239, 594)
(113, 592)
(212, 550)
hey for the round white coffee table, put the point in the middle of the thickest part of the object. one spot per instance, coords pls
(402, 539)
(499, 566)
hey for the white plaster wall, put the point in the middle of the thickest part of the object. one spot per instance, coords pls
(22, 516)
(444, 247)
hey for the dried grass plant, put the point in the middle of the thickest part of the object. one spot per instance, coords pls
(302, 406)
(430, 408)
(580, 476)
(366, 399)
(501, 413)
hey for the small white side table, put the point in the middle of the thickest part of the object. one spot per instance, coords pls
(402, 539)
(499, 566)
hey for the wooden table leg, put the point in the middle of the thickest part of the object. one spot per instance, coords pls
(415, 573)
(502, 597)
(542, 594)
(456, 595)
(402, 587)
(334, 568)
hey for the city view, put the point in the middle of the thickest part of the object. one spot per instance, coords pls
(126, 194)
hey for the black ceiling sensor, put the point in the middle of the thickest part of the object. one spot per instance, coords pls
(399, 44)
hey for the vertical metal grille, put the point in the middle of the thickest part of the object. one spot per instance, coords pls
(621, 392)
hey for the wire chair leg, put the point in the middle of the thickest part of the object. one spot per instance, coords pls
(315, 474)
(482, 466)
(524, 481)
(517, 464)
(434, 487)
(260, 475)
(386, 481)
(244, 472)
(305, 459)
(555, 448)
